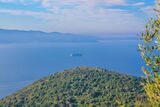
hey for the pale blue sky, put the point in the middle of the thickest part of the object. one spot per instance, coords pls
(76, 16)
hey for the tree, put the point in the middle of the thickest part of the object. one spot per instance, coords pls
(150, 52)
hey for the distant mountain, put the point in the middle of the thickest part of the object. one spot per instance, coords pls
(18, 36)
(82, 87)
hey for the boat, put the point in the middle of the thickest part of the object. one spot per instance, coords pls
(76, 54)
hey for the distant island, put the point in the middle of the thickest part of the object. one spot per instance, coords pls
(82, 87)
(21, 36)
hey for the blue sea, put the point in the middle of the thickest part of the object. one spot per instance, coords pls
(21, 64)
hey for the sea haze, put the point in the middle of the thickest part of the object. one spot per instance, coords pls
(22, 63)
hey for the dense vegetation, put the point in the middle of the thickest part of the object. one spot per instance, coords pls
(82, 86)
(150, 52)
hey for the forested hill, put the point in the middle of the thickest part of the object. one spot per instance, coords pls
(82, 87)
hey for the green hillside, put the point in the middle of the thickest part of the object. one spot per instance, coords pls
(82, 87)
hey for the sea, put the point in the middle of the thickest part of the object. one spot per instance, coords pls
(22, 64)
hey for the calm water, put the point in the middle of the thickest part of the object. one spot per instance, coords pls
(21, 64)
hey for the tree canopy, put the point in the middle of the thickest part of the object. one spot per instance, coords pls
(150, 52)
(82, 87)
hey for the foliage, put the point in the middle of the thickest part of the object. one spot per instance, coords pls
(150, 52)
(82, 87)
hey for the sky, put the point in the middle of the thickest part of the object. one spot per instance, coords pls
(100, 17)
